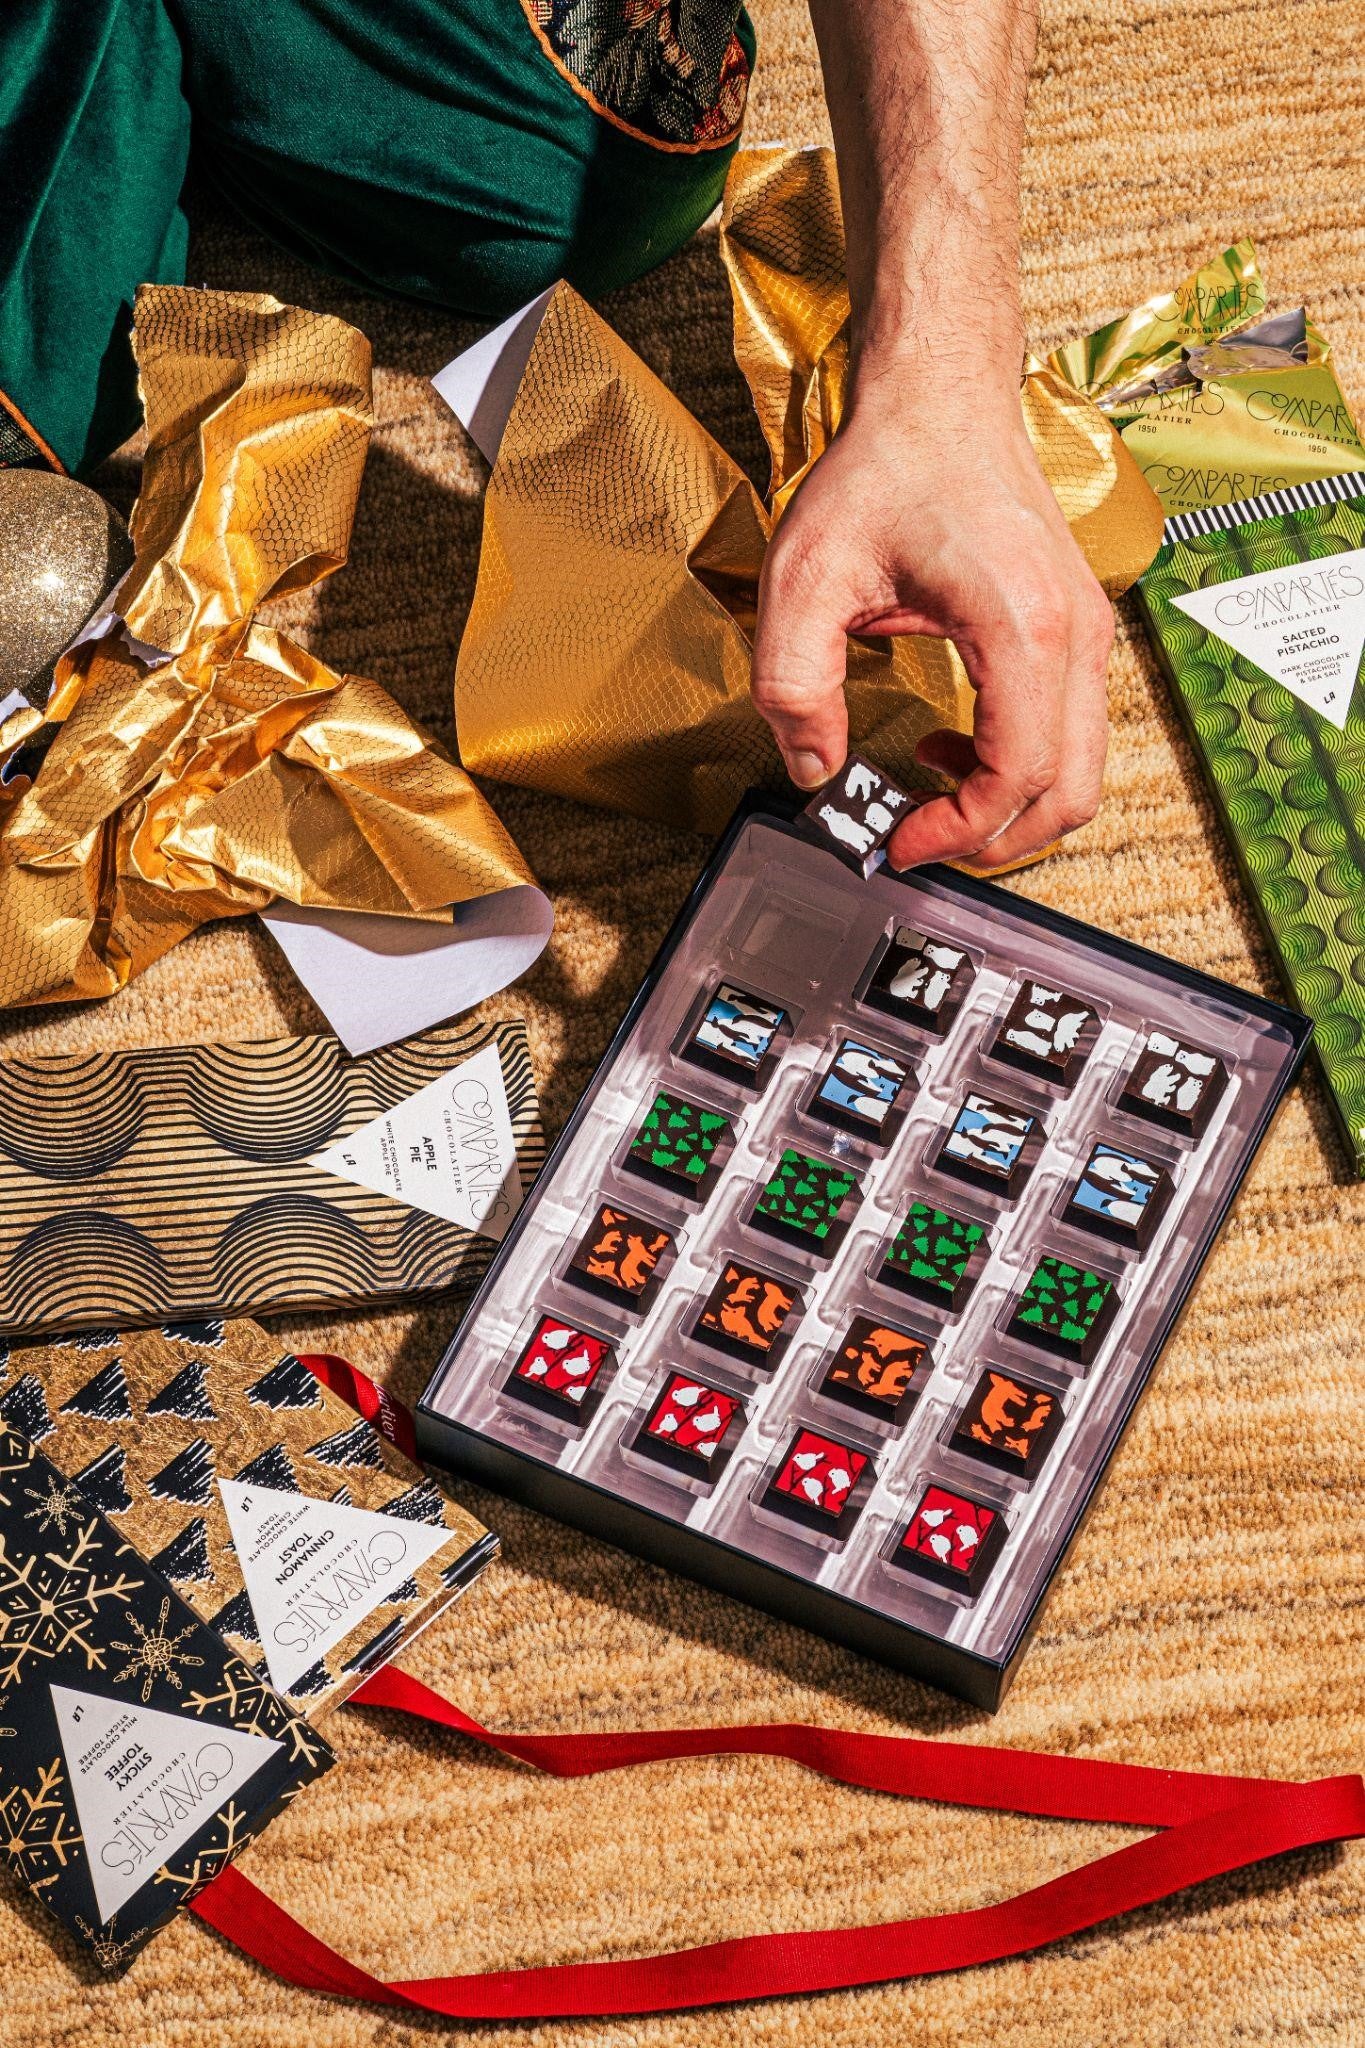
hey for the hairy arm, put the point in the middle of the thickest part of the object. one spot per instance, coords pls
(928, 513)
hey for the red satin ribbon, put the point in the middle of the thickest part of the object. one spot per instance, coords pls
(1210, 1824)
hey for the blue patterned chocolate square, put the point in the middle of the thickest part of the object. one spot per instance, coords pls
(861, 1087)
(1119, 1195)
(987, 1143)
(736, 1032)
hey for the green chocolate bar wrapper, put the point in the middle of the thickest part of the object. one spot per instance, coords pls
(1257, 612)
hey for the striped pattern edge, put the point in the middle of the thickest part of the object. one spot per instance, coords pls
(1327, 490)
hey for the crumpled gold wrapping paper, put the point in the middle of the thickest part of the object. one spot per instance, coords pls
(1213, 403)
(607, 652)
(240, 769)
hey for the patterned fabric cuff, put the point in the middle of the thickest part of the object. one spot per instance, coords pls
(21, 445)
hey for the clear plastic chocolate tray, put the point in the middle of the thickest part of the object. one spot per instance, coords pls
(843, 1280)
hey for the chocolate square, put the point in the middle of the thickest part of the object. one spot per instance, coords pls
(747, 1311)
(1120, 1195)
(560, 1370)
(814, 1481)
(856, 813)
(692, 1427)
(987, 1142)
(1047, 1031)
(1065, 1309)
(1008, 1422)
(806, 1199)
(931, 1253)
(677, 1143)
(921, 980)
(951, 1540)
(618, 1256)
(860, 1089)
(1175, 1085)
(873, 1368)
(736, 1034)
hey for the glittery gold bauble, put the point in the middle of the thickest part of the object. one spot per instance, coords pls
(61, 550)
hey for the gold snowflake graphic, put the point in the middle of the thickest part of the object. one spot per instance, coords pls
(214, 1856)
(61, 1504)
(49, 1604)
(106, 1947)
(155, 1654)
(36, 1832)
(250, 1704)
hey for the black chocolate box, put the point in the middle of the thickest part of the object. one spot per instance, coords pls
(865, 1370)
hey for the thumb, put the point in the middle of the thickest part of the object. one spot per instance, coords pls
(800, 657)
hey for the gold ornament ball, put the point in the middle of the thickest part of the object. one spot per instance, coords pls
(62, 549)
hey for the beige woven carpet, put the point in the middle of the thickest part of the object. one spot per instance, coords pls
(1231, 1640)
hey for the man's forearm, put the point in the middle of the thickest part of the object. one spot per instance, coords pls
(926, 98)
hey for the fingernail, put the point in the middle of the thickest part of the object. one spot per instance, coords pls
(807, 771)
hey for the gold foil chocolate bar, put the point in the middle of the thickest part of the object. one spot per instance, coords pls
(196, 1180)
(312, 1545)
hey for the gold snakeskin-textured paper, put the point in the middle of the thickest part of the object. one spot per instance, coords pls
(147, 1424)
(160, 795)
(171, 1181)
(608, 648)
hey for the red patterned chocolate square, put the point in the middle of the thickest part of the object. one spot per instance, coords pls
(559, 1369)
(688, 1426)
(815, 1479)
(951, 1539)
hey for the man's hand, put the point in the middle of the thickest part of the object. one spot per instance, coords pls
(928, 512)
(947, 529)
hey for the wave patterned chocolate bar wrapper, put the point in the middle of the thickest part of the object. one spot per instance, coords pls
(1257, 611)
(280, 1516)
(151, 1185)
(141, 1755)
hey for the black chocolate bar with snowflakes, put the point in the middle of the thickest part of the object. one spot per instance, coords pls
(138, 1755)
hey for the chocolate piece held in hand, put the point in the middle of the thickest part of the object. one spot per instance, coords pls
(987, 1144)
(813, 1483)
(736, 1033)
(1176, 1085)
(1120, 1195)
(691, 1428)
(806, 1199)
(857, 812)
(860, 1089)
(746, 1311)
(560, 1370)
(1066, 1309)
(952, 1540)
(1047, 1032)
(618, 1256)
(931, 1254)
(921, 980)
(1008, 1422)
(873, 1368)
(677, 1143)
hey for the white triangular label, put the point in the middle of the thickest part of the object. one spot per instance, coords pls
(1303, 624)
(144, 1781)
(315, 1568)
(447, 1149)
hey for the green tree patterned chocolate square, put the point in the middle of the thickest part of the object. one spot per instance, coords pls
(805, 1197)
(678, 1139)
(1066, 1308)
(930, 1254)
